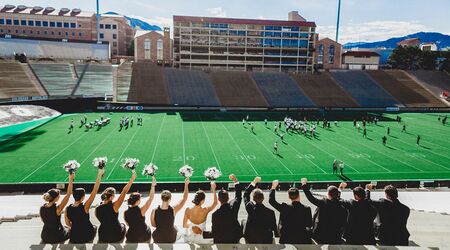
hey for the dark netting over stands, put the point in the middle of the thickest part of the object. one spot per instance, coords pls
(148, 84)
(364, 89)
(237, 89)
(405, 90)
(96, 80)
(190, 88)
(324, 91)
(281, 90)
(57, 78)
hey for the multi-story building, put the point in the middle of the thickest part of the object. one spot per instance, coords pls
(244, 44)
(361, 60)
(73, 25)
(328, 54)
(154, 46)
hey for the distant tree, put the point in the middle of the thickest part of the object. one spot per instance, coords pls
(405, 58)
(130, 48)
(446, 62)
(428, 60)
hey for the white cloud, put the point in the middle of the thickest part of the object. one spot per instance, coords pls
(371, 31)
(217, 12)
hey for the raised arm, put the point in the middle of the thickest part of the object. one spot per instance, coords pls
(66, 198)
(91, 198)
(213, 190)
(151, 195)
(345, 203)
(236, 202)
(180, 205)
(309, 195)
(248, 191)
(272, 201)
(119, 201)
(152, 218)
(375, 203)
(66, 219)
(186, 218)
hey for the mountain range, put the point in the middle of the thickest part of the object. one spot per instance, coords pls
(442, 41)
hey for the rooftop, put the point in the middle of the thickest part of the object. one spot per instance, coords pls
(241, 21)
(361, 53)
(48, 11)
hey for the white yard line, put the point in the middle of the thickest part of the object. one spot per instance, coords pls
(210, 145)
(125, 149)
(157, 139)
(184, 147)
(274, 156)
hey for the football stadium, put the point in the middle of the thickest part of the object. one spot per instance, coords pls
(260, 109)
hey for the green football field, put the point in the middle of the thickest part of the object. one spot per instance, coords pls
(202, 140)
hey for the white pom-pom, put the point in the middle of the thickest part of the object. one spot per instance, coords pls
(150, 170)
(130, 163)
(186, 171)
(212, 173)
(72, 166)
(100, 162)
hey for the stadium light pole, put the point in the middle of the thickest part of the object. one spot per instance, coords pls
(338, 19)
(98, 21)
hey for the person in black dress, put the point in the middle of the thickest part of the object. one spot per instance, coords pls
(77, 214)
(138, 230)
(163, 217)
(111, 230)
(53, 231)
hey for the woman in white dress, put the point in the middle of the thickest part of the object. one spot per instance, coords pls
(194, 220)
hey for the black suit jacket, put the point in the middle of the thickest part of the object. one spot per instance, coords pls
(393, 217)
(225, 224)
(359, 229)
(261, 223)
(329, 219)
(295, 221)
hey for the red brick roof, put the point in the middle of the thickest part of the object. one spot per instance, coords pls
(361, 53)
(241, 21)
(409, 42)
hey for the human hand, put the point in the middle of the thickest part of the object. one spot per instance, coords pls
(233, 178)
(304, 181)
(213, 186)
(275, 184)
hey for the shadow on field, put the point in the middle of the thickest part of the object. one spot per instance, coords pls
(18, 141)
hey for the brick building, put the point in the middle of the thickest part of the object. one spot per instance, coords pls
(116, 30)
(328, 54)
(155, 46)
(361, 60)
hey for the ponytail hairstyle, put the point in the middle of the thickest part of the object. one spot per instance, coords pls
(134, 197)
(166, 195)
(199, 197)
(78, 194)
(108, 193)
(51, 195)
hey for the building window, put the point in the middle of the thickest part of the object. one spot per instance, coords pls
(24, 32)
(320, 55)
(45, 32)
(66, 25)
(147, 48)
(53, 33)
(59, 24)
(2, 21)
(73, 33)
(331, 54)
(114, 44)
(67, 34)
(31, 32)
(73, 25)
(23, 22)
(8, 21)
(102, 26)
(1, 30)
(16, 22)
(80, 34)
(159, 49)
(52, 24)
(108, 26)
(30, 23)
(59, 33)
(17, 31)
(38, 32)
(45, 23)
(114, 36)
(114, 26)
(102, 35)
(9, 31)
(38, 23)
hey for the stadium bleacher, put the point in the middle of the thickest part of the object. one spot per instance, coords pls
(405, 89)
(56, 77)
(435, 81)
(53, 49)
(324, 91)
(94, 79)
(15, 82)
(123, 82)
(364, 89)
(148, 85)
(237, 89)
(190, 88)
(280, 90)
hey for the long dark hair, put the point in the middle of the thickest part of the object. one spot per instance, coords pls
(199, 197)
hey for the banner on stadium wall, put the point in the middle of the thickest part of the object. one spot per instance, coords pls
(28, 98)
(138, 108)
(392, 109)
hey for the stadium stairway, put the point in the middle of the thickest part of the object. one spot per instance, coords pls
(237, 89)
(122, 82)
(16, 81)
(148, 84)
(435, 81)
(405, 89)
(20, 225)
(324, 91)
(190, 88)
(364, 89)
(56, 77)
(280, 90)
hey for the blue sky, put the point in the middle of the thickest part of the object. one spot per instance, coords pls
(361, 20)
